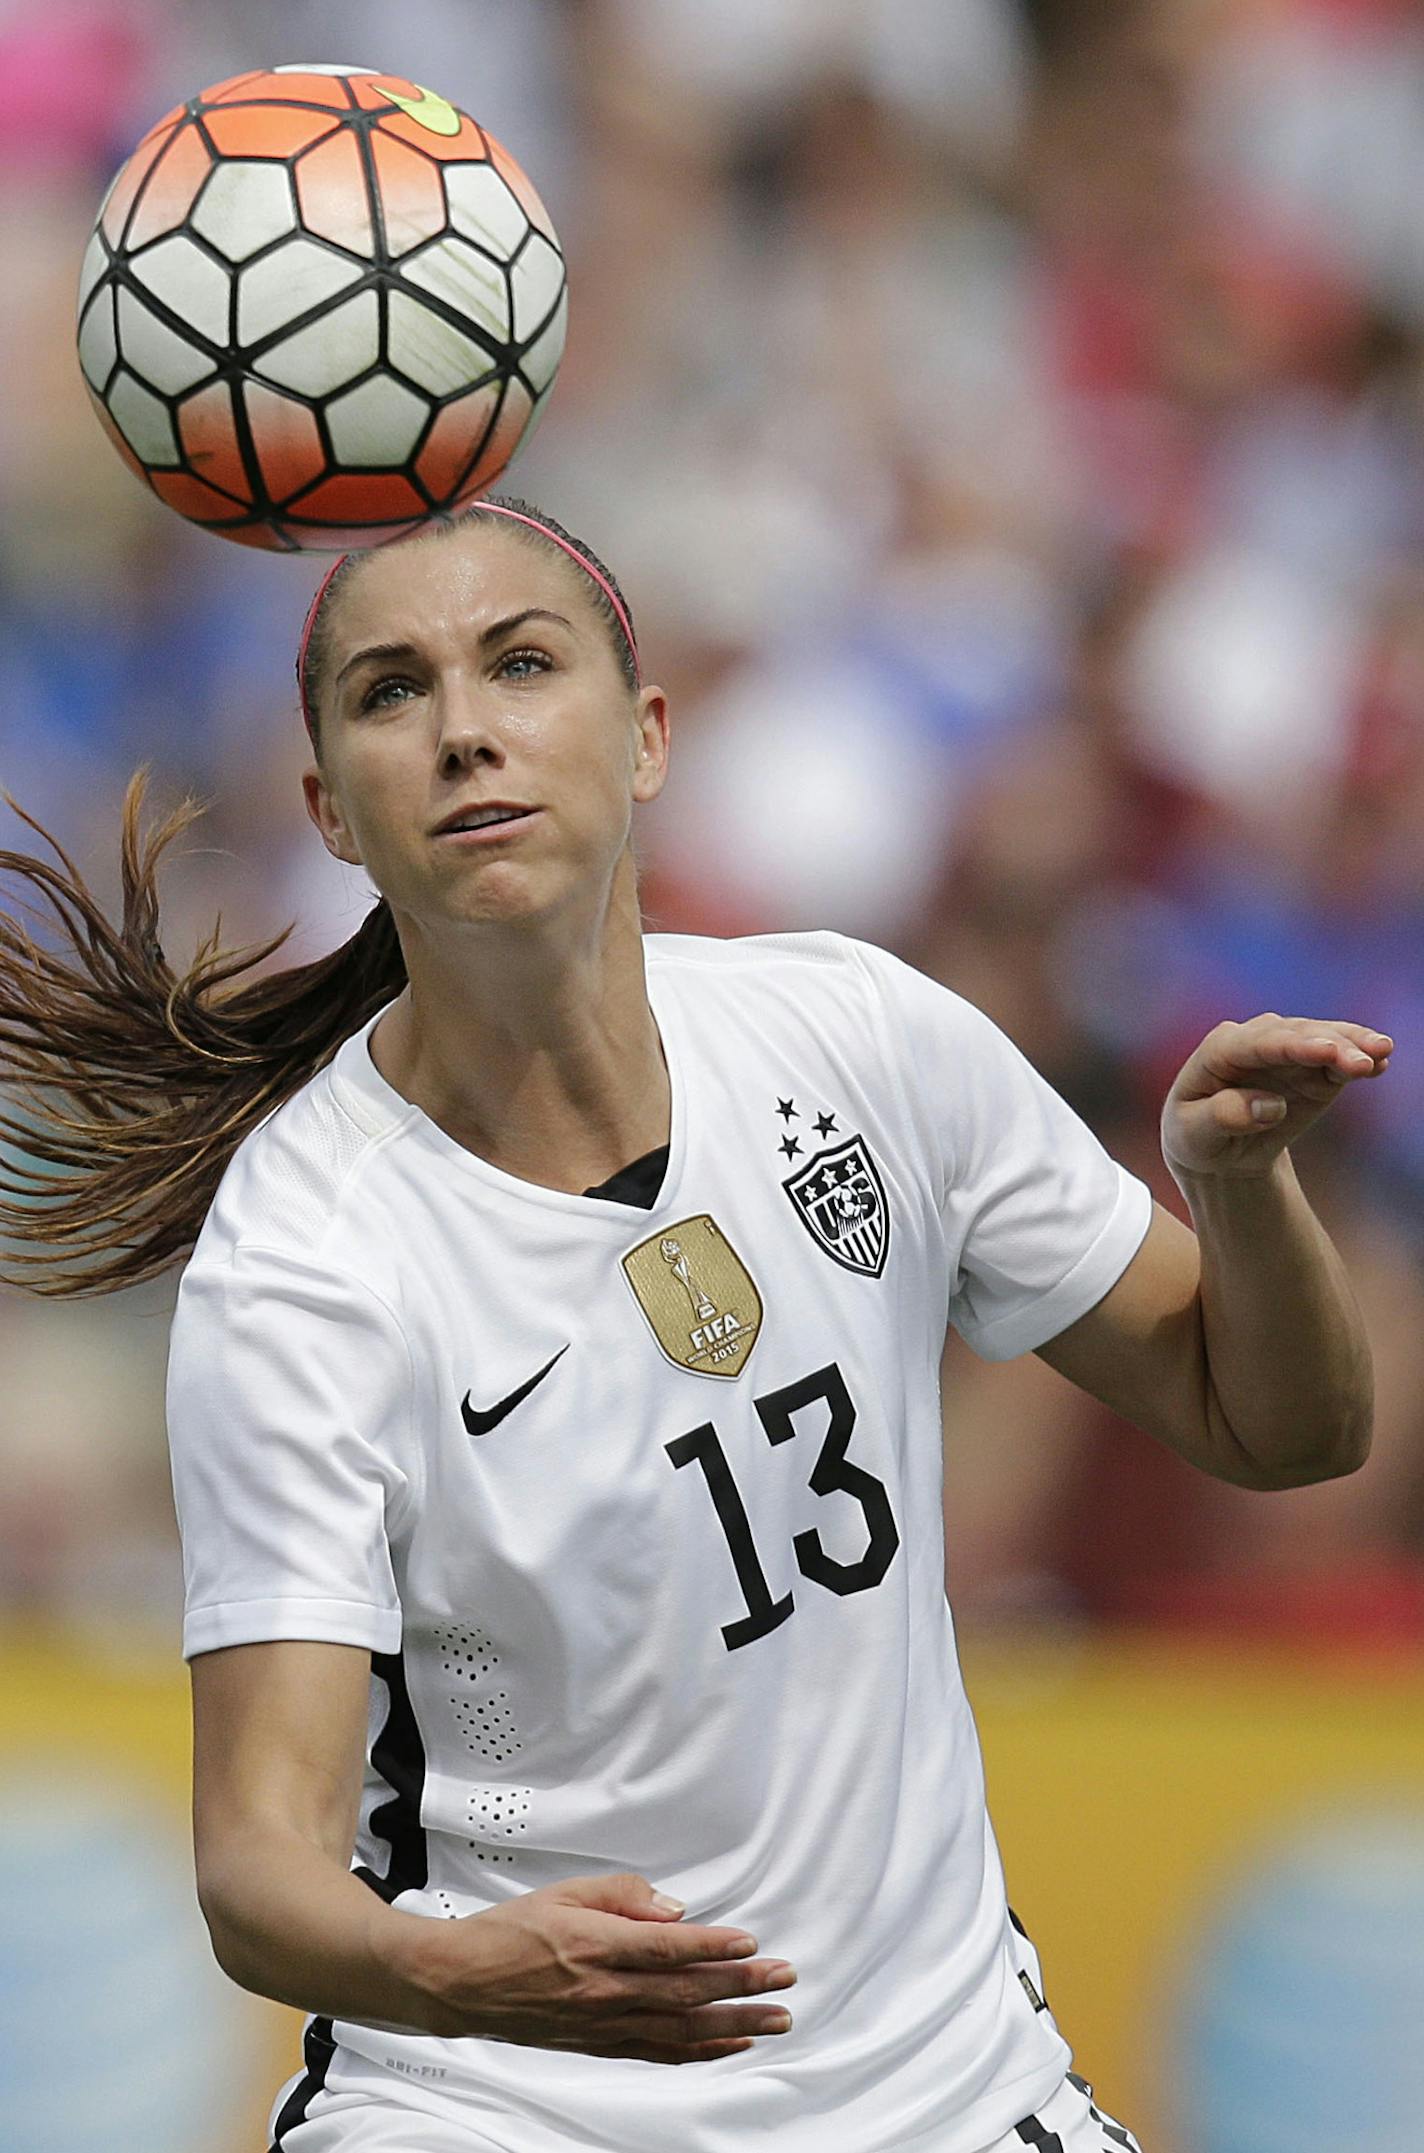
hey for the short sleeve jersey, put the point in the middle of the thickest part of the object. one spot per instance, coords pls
(639, 1514)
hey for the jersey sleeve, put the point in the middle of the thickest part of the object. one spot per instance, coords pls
(289, 1398)
(1039, 1220)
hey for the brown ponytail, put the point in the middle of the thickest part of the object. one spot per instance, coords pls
(130, 1087)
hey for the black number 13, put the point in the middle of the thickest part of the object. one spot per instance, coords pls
(833, 1471)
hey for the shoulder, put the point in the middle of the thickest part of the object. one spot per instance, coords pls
(769, 960)
(747, 952)
(749, 993)
(292, 1185)
(817, 964)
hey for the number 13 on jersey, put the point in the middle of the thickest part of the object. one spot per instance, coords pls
(832, 1472)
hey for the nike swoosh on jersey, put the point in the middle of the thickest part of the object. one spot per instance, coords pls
(479, 1423)
(427, 110)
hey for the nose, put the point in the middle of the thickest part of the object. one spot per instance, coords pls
(465, 733)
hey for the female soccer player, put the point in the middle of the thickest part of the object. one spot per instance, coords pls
(555, 1418)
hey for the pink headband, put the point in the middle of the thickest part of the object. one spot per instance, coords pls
(486, 508)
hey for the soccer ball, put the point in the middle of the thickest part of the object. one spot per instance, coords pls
(320, 306)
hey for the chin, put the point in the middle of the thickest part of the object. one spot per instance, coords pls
(493, 900)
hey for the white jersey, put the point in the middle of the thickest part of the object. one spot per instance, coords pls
(639, 1513)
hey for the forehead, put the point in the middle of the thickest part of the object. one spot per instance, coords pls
(451, 584)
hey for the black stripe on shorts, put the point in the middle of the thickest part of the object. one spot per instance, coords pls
(318, 2048)
(1113, 2132)
(1034, 2133)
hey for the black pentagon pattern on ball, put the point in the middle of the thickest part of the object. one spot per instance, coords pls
(381, 272)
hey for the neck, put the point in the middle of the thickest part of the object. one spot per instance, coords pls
(534, 1048)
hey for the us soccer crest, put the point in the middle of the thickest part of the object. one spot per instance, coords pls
(698, 1296)
(840, 1200)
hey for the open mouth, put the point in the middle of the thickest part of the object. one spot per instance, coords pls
(488, 829)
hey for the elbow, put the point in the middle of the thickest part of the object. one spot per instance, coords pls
(1339, 1451)
(221, 1936)
(1347, 1454)
(1290, 1449)
(225, 1935)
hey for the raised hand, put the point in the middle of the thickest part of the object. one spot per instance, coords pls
(1251, 1089)
(603, 1965)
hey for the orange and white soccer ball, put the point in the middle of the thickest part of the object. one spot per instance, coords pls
(320, 305)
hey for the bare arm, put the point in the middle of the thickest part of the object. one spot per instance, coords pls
(1241, 1345)
(597, 1964)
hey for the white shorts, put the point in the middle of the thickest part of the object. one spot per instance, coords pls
(1071, 2122)
(358, 2123)
(320, 2121)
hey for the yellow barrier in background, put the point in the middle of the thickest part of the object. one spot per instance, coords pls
(1144, 1792)
(146, 2043)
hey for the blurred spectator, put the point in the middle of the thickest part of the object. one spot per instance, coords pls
(1006, 421)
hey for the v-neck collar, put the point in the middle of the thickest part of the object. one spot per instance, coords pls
(376, 1104)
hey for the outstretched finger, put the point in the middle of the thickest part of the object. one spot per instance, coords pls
(1373, 1042)
(1284, 1047)
(1338, 1051)
(680, 1944)
(668, 1988)
(1321, 1048)
(698, 2052)
(712, 2022)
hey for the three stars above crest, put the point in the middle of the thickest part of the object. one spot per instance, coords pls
(825, 1125)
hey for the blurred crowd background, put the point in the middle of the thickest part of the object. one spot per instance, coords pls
(1006, 418)
(1007, 421)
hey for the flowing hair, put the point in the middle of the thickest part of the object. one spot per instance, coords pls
(130, 1085)
(125, 1087)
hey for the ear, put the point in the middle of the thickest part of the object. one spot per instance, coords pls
(650, 744)
(325, 811)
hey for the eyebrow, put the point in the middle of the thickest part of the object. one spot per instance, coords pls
(488, 635)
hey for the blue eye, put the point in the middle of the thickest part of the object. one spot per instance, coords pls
(376, 697)
(538, 659)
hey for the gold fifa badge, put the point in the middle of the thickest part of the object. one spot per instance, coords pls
(697, 1295)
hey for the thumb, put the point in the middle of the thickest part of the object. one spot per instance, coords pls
(1247, 1113)
(625, 1893)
